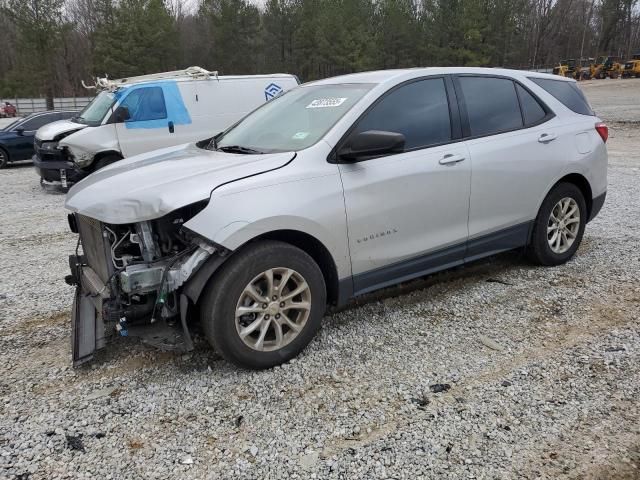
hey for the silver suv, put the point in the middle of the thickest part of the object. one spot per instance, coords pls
(334, 189)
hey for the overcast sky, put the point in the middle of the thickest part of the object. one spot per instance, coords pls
(192, 5)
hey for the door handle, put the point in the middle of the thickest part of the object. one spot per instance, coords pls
(450, 159)
(547, 137)
(171, 127)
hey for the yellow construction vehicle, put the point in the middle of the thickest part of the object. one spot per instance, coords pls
(562, 69)
(607, 67)
(572, 68)
(632, 67)
(582, 70)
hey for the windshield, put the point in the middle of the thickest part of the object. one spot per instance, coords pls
(12, 125)
(293, 121)
(94, 113)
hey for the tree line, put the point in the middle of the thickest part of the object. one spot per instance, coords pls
(48, 47)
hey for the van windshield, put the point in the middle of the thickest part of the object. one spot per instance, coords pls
(293, 121)
(94, 112)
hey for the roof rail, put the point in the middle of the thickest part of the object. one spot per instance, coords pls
(105, 83)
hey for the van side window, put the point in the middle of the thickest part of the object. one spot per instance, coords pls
(492, 105)
(531, 109)
(145, 104)
(418, 110)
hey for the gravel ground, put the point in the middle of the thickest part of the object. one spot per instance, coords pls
(497, 370)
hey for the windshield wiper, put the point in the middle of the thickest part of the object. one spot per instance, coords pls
(239, 149)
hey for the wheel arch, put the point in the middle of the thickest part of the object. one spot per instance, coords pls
(316, 250)
(105, 153)
(304, 241)
(6, 153)
(583, 184)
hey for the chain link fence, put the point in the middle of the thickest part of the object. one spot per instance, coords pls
(25, 106)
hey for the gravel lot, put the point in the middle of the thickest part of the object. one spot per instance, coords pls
(539, 367)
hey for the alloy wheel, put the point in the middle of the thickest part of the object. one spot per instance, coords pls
(273, 309)
(563, 225)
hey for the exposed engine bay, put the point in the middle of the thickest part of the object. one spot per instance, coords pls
(133, 273)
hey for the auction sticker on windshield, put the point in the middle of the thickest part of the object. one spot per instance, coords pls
(326, 102)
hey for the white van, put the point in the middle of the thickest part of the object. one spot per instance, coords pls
(139, 114)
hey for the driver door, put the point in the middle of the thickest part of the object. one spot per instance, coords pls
(150, 125)
(407, 213)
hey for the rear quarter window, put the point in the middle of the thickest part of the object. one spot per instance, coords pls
(566, 93)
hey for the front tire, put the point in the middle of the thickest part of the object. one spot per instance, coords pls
(4, 158)
(264, 305)
(559, 226)
(106, 160)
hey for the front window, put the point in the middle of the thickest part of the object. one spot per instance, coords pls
(145, 104)
(293, 121)
(418, 110)
(94, 113)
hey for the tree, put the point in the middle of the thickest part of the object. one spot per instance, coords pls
(39, 26)
(134, 37)
(234, 27)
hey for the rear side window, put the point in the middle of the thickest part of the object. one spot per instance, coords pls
(532, 111)
(492, 105)
(145, 104)
(418, 110)
(567, 93)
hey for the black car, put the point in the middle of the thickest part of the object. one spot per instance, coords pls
(16, 139)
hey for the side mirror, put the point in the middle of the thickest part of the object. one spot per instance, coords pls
(121, 114)
(20, 130)
(371, 143)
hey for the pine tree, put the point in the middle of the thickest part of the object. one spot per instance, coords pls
(134, 38)
(39, 24)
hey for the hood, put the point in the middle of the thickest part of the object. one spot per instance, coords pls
(51, 130)
(153, 184)
(7, 134)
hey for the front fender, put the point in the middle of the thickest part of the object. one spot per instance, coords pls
(312, 206)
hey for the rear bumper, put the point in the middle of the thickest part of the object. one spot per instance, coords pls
(596, 206)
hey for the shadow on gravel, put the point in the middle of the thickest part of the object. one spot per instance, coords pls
(488, 270)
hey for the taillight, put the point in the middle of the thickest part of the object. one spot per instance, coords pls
(603, 131)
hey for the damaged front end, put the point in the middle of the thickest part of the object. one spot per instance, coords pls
(52, 161)
(130, 280)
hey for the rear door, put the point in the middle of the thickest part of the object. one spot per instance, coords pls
(407, 212)
(516, 149)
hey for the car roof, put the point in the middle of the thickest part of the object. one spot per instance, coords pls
(392, 76)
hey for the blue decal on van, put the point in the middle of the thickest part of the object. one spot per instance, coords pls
(272, 91)
(154, 105)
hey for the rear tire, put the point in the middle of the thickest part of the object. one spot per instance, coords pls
(251, 317)
(559, 226)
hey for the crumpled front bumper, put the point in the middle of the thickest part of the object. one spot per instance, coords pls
(90, 329)
(62, 172)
